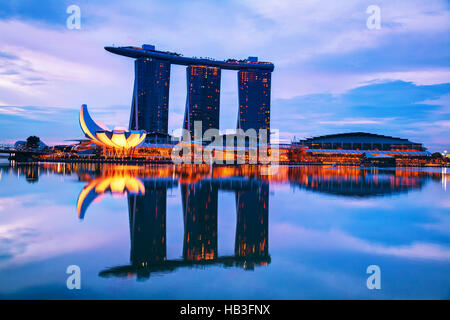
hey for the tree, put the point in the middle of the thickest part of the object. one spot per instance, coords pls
(437, 156)
(33, 141)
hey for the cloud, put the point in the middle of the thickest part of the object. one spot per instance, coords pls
(13, 242)
(52, 124)
(28, 237)
(351, 121)
(330, 70)
(338, 240)
(417, 112)
(398, 108)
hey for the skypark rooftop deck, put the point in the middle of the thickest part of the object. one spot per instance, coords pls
(175, 58)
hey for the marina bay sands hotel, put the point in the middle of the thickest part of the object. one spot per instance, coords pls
(150, 106)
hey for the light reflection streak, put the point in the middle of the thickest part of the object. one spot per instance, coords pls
(444, 179)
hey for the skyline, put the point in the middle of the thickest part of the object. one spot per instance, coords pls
(332, 75)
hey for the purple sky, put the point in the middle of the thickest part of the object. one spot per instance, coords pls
(332, 74)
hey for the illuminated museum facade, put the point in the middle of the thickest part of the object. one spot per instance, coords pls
(118, 139)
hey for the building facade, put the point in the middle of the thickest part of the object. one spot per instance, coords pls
(358, 148)
(150, 105)
(254, 99)
(361, 141)
(151, 93)
(203, 98)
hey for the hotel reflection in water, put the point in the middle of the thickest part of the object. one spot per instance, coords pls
(199, 193)
(147, 214)
(147, 187)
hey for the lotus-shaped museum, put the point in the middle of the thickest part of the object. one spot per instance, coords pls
(119, 138)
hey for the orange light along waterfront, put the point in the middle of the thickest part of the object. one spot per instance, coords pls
(253, 142)
(123, 146)
(287, 154)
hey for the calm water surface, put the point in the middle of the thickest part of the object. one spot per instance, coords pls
(165, 232)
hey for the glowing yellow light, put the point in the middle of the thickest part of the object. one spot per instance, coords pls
(83, 195)
(104, 139)
(85, 128)
(118, 140)
(115, 184)
(103, 185)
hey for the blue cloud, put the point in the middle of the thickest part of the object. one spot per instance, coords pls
(49, 11)
(321, 49)
(395, 53)
(394, 99)
(7, 56)
(51, 124)
(52, 13)
(394, 108)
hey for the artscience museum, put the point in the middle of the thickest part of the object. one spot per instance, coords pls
(118, 140)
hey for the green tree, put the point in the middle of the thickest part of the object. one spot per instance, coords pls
(33, 141)
(437, 156)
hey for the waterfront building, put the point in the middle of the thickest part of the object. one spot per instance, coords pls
(150, 105)
(254, 99)
(203, 98)
(361, 147)
(118, 139)
(150, 98)
(361, 141)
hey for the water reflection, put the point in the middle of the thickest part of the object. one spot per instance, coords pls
(148, 227)
(444, 178)
(351, 181)
(357, 182)
(147, 189)
(147, 192)
(117, 184)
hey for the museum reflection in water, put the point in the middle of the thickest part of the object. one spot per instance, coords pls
(146, 191)
(147, 216)
(147, 187)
